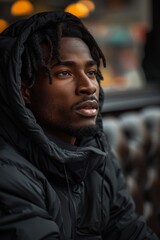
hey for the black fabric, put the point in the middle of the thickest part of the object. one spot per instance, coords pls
(49, 190)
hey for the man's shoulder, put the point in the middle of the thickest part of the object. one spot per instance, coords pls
(12, 157)
(19, 177)
(16, 166)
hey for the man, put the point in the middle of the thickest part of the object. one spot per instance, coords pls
(59, 179)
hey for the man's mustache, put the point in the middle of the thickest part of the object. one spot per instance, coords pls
(87, 100)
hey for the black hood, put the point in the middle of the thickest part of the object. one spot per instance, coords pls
(18, 125)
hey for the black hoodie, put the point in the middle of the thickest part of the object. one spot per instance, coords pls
(49, 189)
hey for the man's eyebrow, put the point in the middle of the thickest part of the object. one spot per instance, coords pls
(72, 63)
(91, 63)
(65, 63)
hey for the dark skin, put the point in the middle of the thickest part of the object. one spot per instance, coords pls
(71, 101)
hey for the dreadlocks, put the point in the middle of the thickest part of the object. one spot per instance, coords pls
(33, 56)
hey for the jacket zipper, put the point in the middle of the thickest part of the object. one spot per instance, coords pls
(73, 210)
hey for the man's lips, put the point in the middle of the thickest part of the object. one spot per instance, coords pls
(88, 108)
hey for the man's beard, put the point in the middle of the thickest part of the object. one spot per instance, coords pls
(80, 133)
(83, 132)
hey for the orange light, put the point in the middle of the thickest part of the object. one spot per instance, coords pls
(3, 24)
(78, 9)
(89, 4)
(22, 7)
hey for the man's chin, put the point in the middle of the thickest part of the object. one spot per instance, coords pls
(83, 132)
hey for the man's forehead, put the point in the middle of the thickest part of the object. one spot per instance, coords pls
(71, 63)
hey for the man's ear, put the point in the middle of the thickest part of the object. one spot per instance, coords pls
(26, 94)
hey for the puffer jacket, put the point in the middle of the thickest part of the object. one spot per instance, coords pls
(50, 190)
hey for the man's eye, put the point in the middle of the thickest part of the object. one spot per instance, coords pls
(92, 73)
(63, 74)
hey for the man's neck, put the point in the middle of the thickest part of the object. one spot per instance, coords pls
(62, 137)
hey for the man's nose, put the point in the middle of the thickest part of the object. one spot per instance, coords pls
(85, 85)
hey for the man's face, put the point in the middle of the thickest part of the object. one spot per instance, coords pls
(71, 101)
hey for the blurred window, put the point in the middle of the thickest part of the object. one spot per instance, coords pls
(121, 32)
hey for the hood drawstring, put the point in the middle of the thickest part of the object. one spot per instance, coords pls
(72, 208)
(104, 147)
(102, 192)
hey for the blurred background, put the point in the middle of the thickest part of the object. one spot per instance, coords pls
(128, 32)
